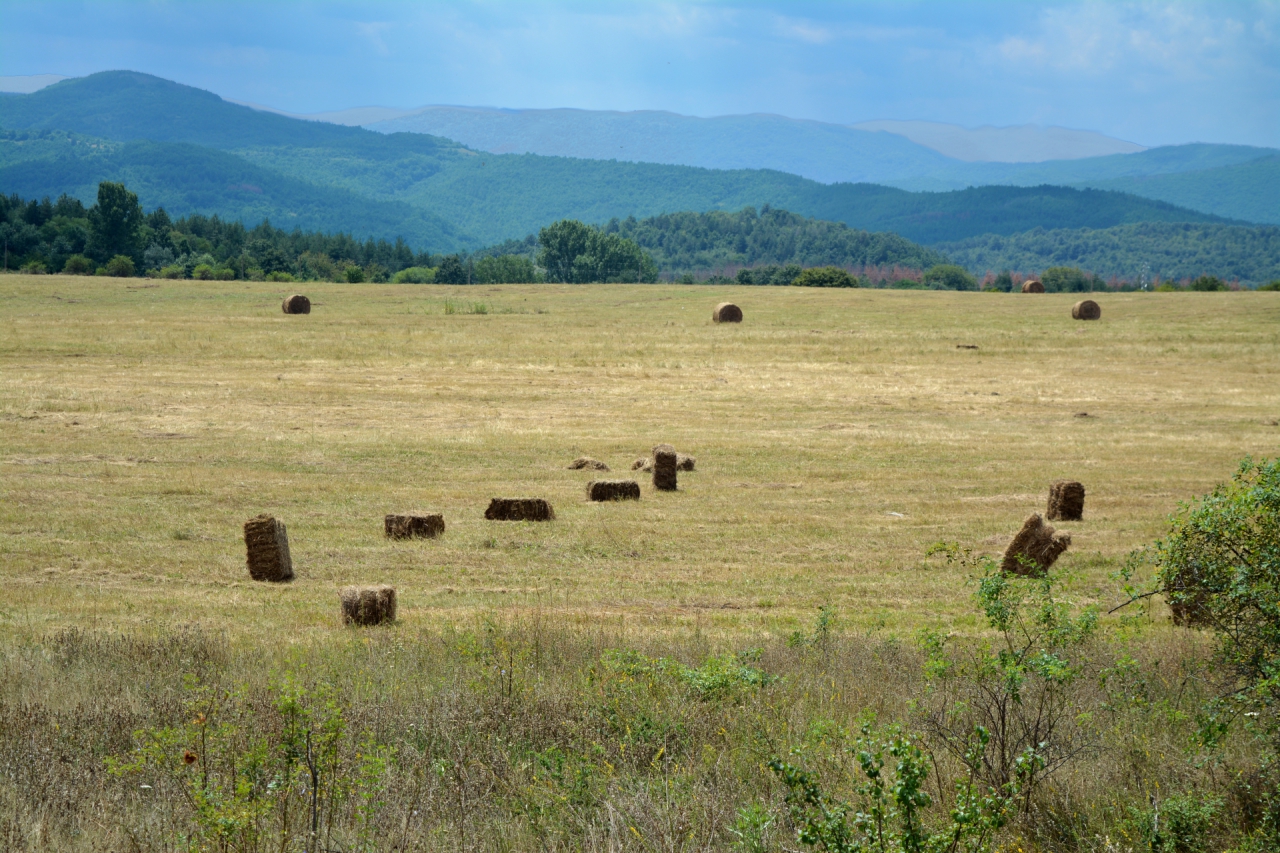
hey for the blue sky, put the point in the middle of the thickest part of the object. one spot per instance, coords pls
(1149, 72)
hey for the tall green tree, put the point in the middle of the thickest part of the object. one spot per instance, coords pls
(572, 251)
(115, 223)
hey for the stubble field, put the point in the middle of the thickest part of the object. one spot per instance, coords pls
(838, 434)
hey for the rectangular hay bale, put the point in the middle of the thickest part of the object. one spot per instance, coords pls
(368, 605)
(1066, 501)
(665, 464)
(1035, 548)
(427, 526)
(613, 490)
(519, 509)
(267, 544)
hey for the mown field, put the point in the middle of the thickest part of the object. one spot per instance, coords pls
(838, 434)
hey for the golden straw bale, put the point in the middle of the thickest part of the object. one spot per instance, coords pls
(519, 509)
(1066, 501)
(1086, 309)
(427, 526)
(368, 605)
(267, 544)
(1035, 548)
(727, 312)
(613, 490)
(665, 464)
(296, 304)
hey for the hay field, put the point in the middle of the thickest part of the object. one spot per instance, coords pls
(838, 434)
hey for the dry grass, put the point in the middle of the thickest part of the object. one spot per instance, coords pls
(839, 433)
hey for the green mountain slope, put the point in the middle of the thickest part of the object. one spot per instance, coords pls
(1171, 251)
(186, 179)
(1232, 181)
(443, 195)
(1248, 191)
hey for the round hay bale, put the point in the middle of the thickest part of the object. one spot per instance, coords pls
(685, 462)
(1086, 309)
(727, 312)
(588, 464)
(1032, 285)
(296, 304)
(368, 605)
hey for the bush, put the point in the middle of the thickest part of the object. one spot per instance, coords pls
(354, 275)
(1219, 568)
(415, 275)
(202, 272)
(78, 265)
(824, 277)
(1066, 280)
(1019, 688)
(224, 274)
(950, 277)
(1271, 285)
(34, 268)
(451, 271)
(172, 271)
(121, 266)
(279, 275)
(1208, 283)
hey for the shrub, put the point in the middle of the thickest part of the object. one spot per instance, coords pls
(78, 265)
(34, 268)
(202, 272)
(1219, 567)
(1019, 688)
(415, 275)
(1208, 283)
(825, 277)
(173, 271)
(890, 814)
(950, 277)
(224, 274)
(354, 275)
(121, 266)
(1271, 285)
(1065, 280)
(279, 275)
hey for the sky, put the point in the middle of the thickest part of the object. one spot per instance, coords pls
(1155, 73)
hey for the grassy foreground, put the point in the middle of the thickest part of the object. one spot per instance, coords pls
(837, 433)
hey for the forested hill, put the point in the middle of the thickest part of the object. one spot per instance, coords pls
(686, 242)
(1168, 250)
(720, 242)
(206, 155)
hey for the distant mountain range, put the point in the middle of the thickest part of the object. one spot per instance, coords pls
(191, 151)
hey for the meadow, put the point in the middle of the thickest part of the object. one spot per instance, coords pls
(838, 435)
